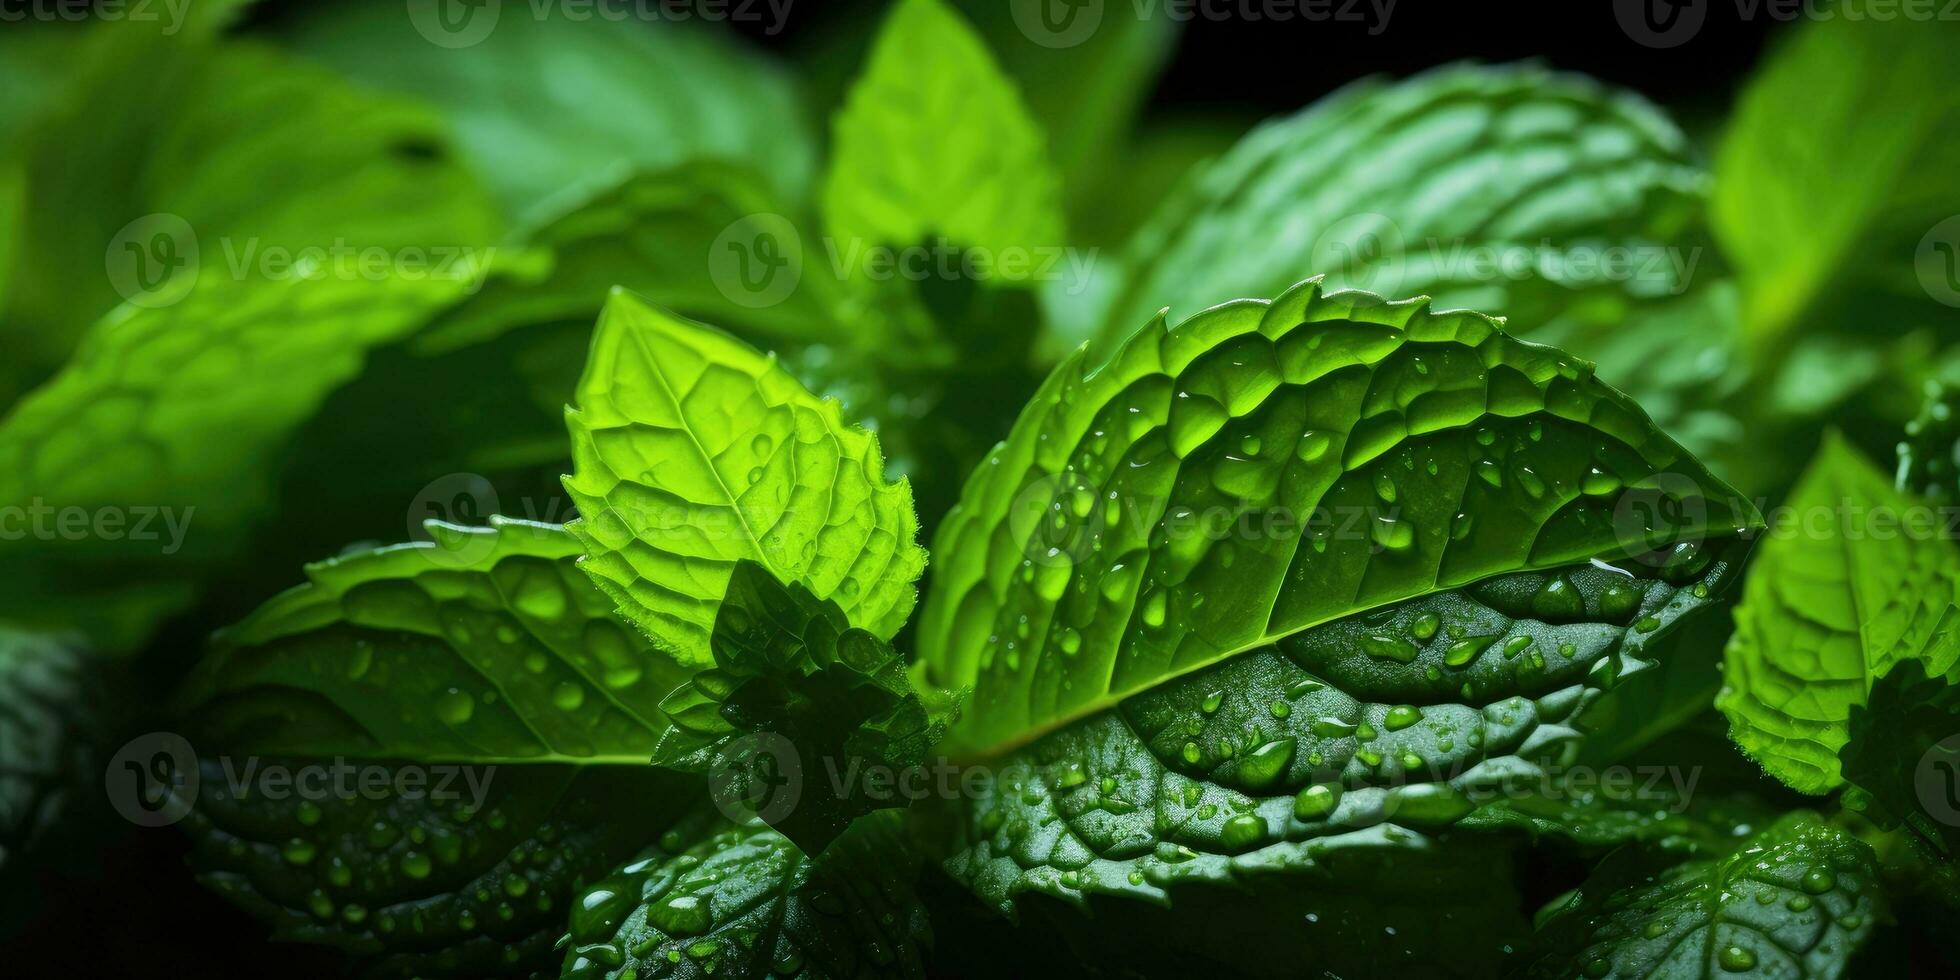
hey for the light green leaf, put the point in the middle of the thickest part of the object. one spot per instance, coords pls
(792, 673)
(1836, 165)
(168, 422)
(691, 451)
(469, 875)
(1436, 712)
(1262, 468)
(162, 164)
(934, 140)
(1421, 187)
(481, 645)
(1848, 588)
(696, 905)
(1796, 902)
(557, 108)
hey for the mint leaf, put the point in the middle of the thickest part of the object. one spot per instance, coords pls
(482, 645)
(330, 166)
(132, 428)
(1262, 468)
(791, 669)
(1814, 189)
(691, 451)
(900, 173)
(1850, 590)
(562, 106)
(1411, 718)
(715, 899)
(1797, 901)
(1414, 188)
(477, 883)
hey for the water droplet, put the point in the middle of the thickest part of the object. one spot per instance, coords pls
(1599, 483)
(1264, 765)
(1533, 484)
(568, 696)
(1394, 535)
(1465, 650)
(416, 864)
(1315, 802)
(1153, 609)
(1736, 959)
(1242, 831)
(455, 706)
(1384, 488)
(1817, 881)
(1312, 446)
(1401, 716)
(1491, 473)
(1389, 647)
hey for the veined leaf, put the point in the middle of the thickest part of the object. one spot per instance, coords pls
(739, 900)
(178, 412)
(558, 107)
(51, 730)
(691, 451)
(482, 645)
(1849, 589)
(793, 671)
(1419, 717)
(449, 871)
(1811, 184)
(1485, 187)
(901, 171)
(1797, 901)
(1262, 468)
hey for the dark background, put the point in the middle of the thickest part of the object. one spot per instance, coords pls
(115, 901)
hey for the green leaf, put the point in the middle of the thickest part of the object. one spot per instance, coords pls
(739, 900)
(170, 421)
(461, 875)
(1408, 719)
(1815, 189)
(900, 172)
(1850, 587)
(50, 739)
(1262, 468)
(481, 645)
(665, 234)
(1897, 750)
(790, 670)
(691, 451)
(1929, 455)
(1417, 188)
(558, 108)
(1797, 902)
(329, 167)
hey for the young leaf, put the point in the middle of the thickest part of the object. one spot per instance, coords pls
(691, 451)
(1415, 716)
(934, 140)
(468, 873)
(1422, 187)
(791, 669)
(482, 645)
(715, 899)
(1813, 187)
(1853, 587)
(1797, 901)
(170, 420)
(561, 106)
(1262, 468)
